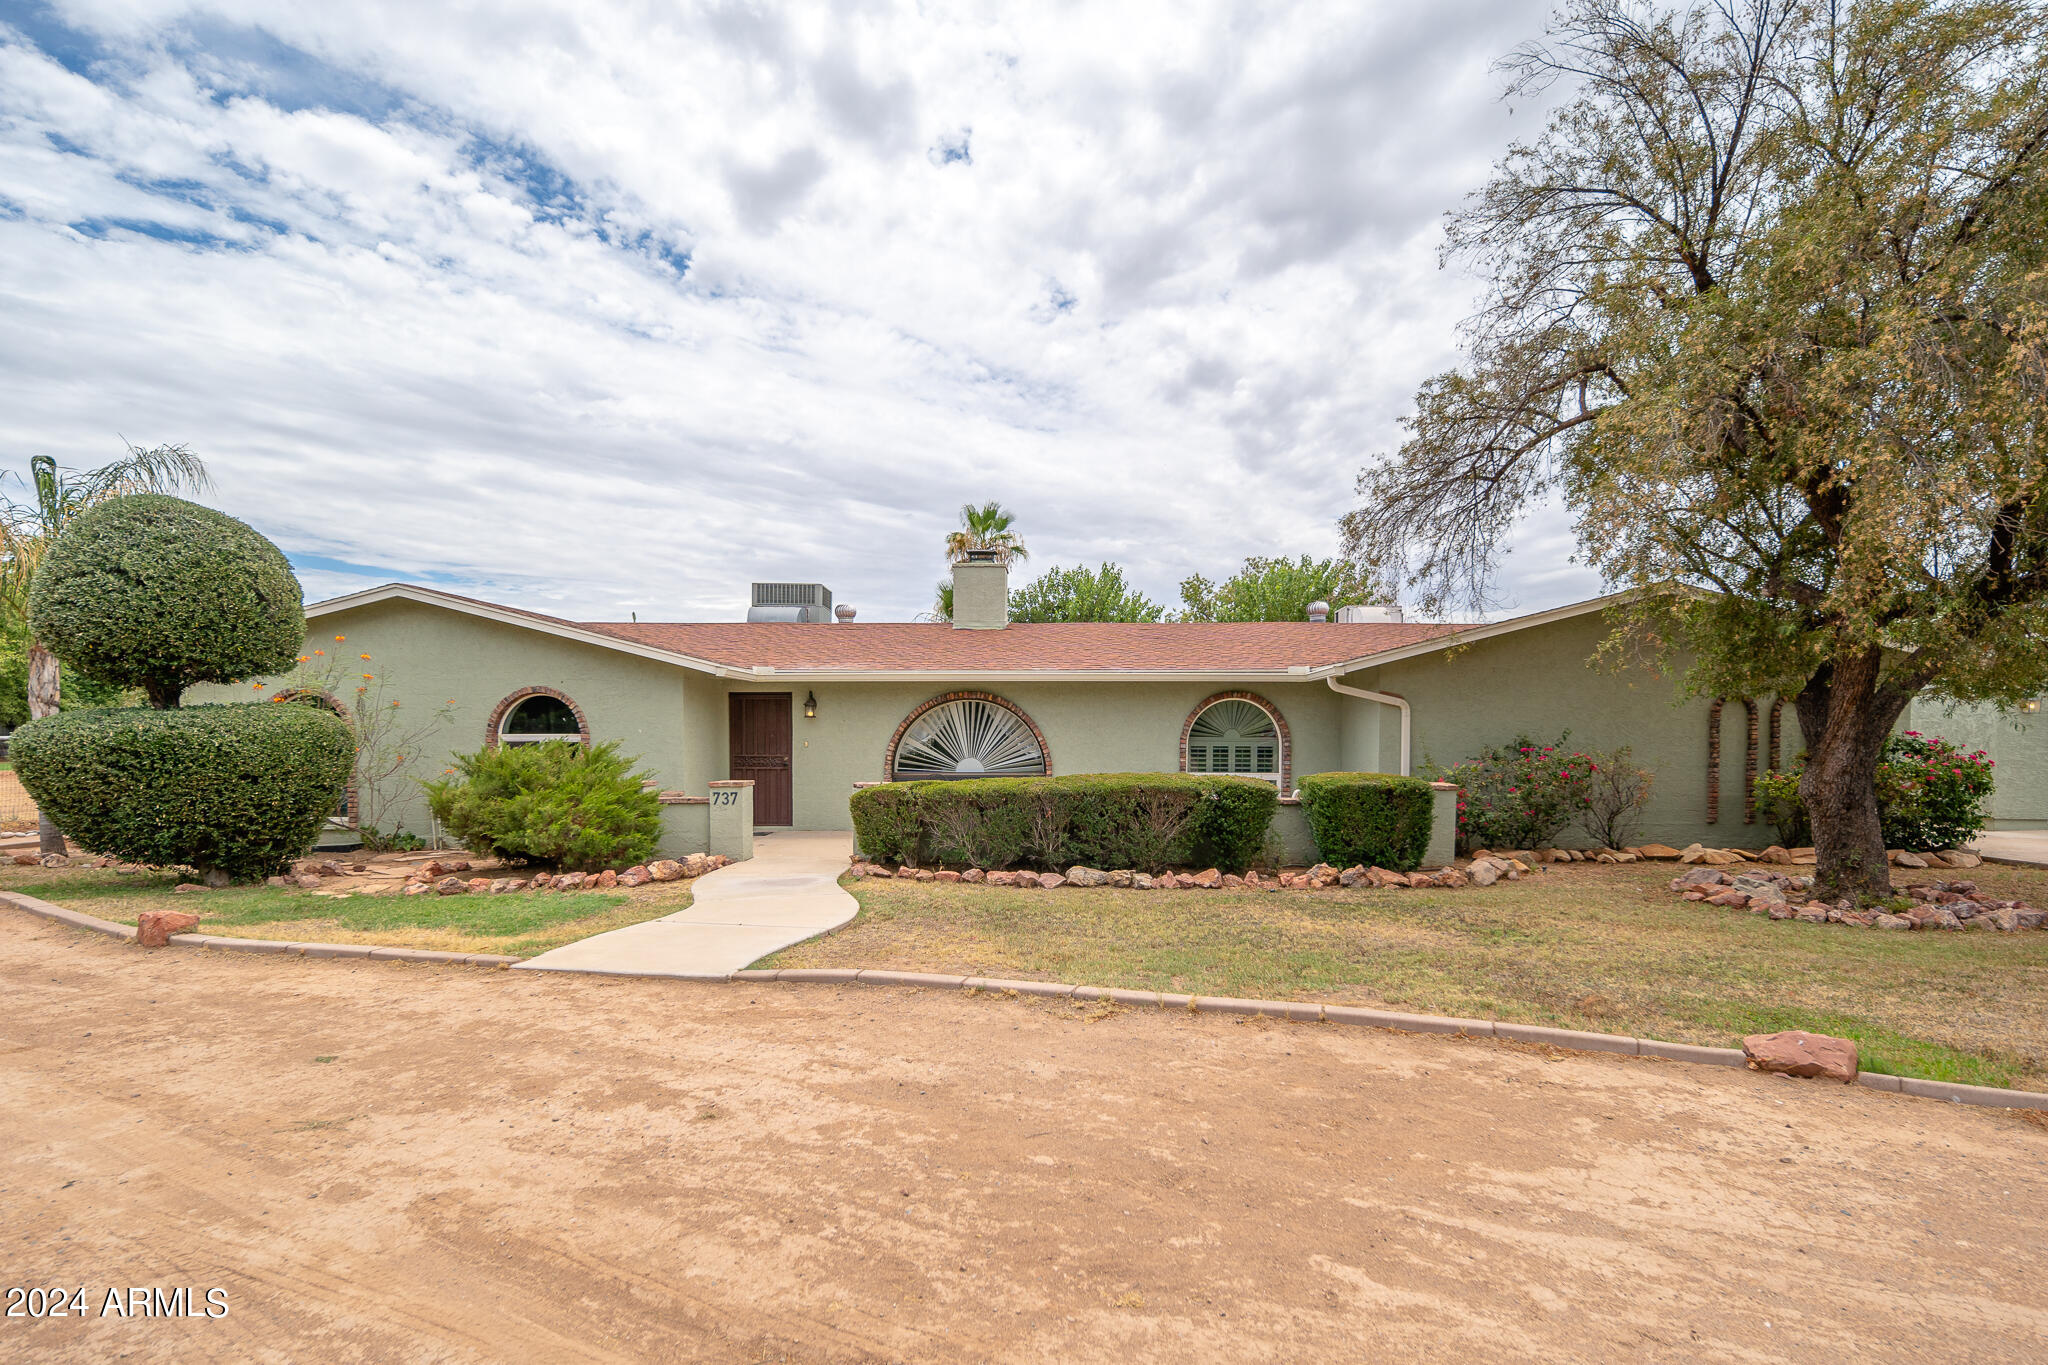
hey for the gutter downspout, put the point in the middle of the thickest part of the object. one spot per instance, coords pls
(1385, 699)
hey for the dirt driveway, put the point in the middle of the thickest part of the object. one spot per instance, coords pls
(385, 1162)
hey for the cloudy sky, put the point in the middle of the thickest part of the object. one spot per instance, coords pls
(614, 307)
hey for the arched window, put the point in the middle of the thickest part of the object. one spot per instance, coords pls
(1235, 733)
(535, 715)
(967, 734)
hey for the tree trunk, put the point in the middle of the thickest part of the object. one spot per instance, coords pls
(164, 696)
(43, 696)
(1845, 716)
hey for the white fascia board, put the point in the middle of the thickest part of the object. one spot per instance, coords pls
(1472, 634)
(1106, 675)
(403, 592)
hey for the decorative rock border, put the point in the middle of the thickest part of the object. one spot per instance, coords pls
(1930, 905)
(1300, 1011)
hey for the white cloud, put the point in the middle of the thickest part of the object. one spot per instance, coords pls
(611, 308)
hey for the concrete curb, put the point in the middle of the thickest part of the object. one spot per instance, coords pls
(1306, 1012)
(44, 910)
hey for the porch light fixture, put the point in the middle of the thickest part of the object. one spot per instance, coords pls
(2031, 706)
(810, 705)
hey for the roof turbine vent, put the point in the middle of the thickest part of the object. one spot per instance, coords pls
(1319, 611)
(844, 612)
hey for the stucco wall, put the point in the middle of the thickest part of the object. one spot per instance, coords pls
(433, 657)
(1540, 681)
(1088, 727)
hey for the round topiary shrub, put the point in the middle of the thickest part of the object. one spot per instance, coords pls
(234, 792)
(155, 592)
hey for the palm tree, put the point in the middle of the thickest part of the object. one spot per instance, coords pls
(29, 529)
(986, 527)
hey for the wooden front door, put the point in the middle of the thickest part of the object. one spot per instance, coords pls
(760, 752)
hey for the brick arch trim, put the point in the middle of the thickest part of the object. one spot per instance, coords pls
(327, 701)
(1279, 723)
(504, 709)
(889, 755)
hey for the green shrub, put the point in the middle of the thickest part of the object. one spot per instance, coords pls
(560, 803)
(1370, 818)
(1144, 821)
(1930, 795)
(234, 792)
(155, 592)
(1521, 794)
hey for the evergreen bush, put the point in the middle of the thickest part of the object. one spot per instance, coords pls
(559, 803)
(1143, 821)
(1373, 819)
(234, 792)
(155, 592)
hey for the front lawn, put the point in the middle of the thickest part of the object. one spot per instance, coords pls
(521, 924)
(1608, 949)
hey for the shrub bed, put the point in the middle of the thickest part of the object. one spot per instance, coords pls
(236, 791)
(1146, 821)
(1521, 794)
(1930, 795)
(560, 803)
(1372, 819)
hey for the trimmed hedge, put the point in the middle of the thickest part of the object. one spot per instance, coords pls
(558, 802)
(153, 591)
(234, 791)
(1370, 818)
(1143, 821)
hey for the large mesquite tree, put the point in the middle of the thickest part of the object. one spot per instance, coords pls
(1769, 313)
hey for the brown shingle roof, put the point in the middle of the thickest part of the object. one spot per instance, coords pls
(1261, 646)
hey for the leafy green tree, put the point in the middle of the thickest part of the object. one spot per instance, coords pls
(1082, 594)
(28, 531)
(1768, 312)
(1280, 589)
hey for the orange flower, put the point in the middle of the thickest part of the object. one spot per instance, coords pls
(320, 651)
(302, 658)
(362, 656)
(339, 638)
(257, 686)
(361, 690)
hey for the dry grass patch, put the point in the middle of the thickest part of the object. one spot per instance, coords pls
(1608, 949)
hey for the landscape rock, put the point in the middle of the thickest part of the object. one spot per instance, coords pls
(669, 870)
(570, 881)
(973, 874)
(1087, 876)
(307, 882)
(284, 882)
(907, 873)
(1883, 921)
(501, 885)
(54, 860)
(1121, 876)
(1775, 854)
(1352, 876)
(944, 875)
(27, 860)
(183, 887)
(153, 928)
(1140, 882)
(925, 874)
(1051, 880)
(1795, 1052)
(1658, 851)
(1484, 873)
(451, 886)
(417, 888)
(632, 877)
(1901, 858)
(1956, 857)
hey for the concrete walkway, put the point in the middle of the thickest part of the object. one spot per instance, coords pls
(2025, 846)
(787, 892)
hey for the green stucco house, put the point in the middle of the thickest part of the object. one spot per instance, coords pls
(808, 706)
